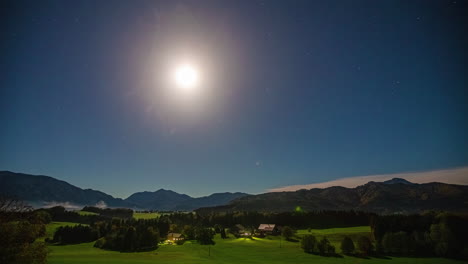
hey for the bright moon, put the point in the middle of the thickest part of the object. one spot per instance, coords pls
(186, 77)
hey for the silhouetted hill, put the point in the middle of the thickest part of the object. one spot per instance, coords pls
(41, 190)
(169, 200)
(395, 196)
(158, 200)
(214, 199)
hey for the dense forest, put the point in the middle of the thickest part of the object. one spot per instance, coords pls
(429, 234)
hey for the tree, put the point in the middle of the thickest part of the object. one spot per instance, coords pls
(41, 216)
(445, 243)
(223, 233)
(325, 247)
(364, 245)
(18, 235)
(396, 243)
(189, 232)
(287, 232)
(347, 245)
(150, 238)
(204, 236)
(217, 228)
(174, 228)
(309, 243)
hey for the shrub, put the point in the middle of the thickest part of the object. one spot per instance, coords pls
(347, 245)
(287, 232)
(364, 245)
(309, 243)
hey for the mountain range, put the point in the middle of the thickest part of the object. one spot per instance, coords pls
(392, 196)
(42, 191)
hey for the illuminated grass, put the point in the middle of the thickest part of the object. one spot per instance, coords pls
(86, 213)
(146, 215)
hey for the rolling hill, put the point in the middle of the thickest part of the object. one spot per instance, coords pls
(394, 196)
(170, 201)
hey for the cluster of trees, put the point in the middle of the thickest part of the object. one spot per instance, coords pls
(317, 219)
(74, 234)
(312, 246)
(108, 212)
(19, 229)
(430, 234)
(130, 239)
(130, 235)
(60, 214)
(323, 247)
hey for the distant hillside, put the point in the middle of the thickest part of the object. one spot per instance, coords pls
(158, 200)
(40, 189)
(394, 196)
(43, 190)
(169, 200)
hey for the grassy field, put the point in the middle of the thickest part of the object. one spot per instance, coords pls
(145, 215)
(50, 228)
(86, 213)
(231, 250)
(335, 235)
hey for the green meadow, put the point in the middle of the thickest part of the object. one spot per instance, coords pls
(51, 227)
(86, 213)
(146, 215)
(335, 235)
(231, 250)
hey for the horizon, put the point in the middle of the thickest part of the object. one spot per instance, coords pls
(235, 96)
(455, 176)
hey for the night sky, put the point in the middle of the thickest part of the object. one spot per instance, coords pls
(291, 92)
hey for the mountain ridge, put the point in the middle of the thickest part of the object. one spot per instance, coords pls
(379, 197)
(393, 196)
(42, 190)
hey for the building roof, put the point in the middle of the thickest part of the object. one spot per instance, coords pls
(175, 235)
(266, 227)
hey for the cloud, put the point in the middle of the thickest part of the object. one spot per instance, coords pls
(452, 176)
(101, 204)
(66, 205)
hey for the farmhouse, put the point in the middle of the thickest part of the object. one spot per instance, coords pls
(268, 229)
(242, 231)
(175, 236)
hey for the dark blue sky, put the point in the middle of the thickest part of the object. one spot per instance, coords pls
(292, 92)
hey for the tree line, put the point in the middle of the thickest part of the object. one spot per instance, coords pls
(429, 234)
